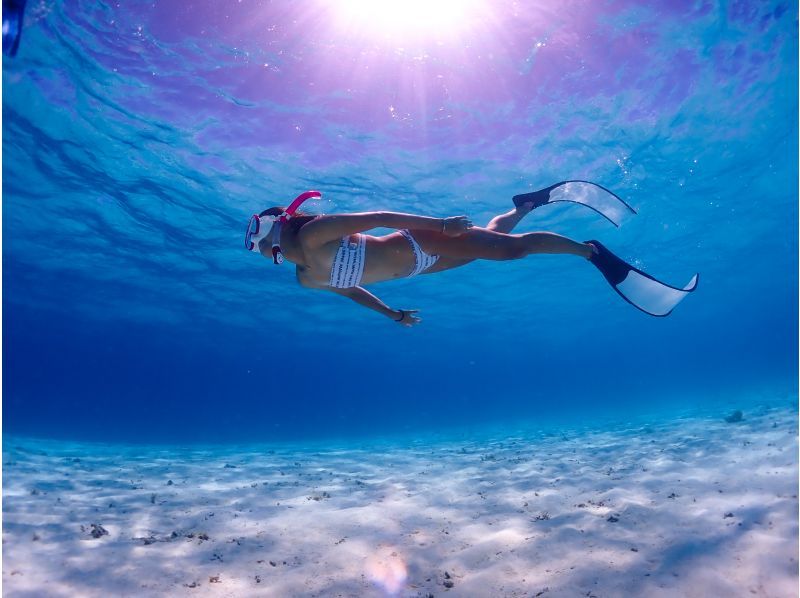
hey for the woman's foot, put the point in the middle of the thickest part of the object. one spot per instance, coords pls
(524, 209)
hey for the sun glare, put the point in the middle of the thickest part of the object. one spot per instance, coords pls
(408, 18)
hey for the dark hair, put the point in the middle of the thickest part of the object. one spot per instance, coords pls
(296, 222)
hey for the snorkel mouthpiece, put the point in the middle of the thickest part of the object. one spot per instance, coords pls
(257, 230)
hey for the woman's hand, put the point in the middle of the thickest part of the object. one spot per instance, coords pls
(456, 226)
(407, 317)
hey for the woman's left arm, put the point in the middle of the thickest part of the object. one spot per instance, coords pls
(406, 317)
(331, 228)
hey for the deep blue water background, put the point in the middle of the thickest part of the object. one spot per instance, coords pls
(138, 139)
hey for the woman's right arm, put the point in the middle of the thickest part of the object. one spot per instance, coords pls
(330, 228)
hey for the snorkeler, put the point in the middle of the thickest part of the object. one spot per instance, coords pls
(331, 252)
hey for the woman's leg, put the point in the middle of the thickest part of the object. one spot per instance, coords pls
(505, 223)
(502, 223)
(482, 243)
(494, 243)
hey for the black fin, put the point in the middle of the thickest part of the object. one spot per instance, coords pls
(638, 288)
(538, 198)
(13, 11)
(596, 197)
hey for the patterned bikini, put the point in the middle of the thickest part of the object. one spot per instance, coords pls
(348, 265)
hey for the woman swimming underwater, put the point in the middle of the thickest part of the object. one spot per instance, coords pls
(332, 252)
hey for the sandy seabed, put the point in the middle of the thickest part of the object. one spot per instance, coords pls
(690, 507)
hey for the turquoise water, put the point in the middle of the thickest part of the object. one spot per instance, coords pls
(138, 139)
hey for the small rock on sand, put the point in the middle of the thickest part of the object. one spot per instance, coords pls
(734, 417)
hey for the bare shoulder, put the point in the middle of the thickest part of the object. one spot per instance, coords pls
(305, 278)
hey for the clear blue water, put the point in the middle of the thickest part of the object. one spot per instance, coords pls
(139, 137)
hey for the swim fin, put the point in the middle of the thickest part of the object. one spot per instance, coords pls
(13, 11)
(637, 288)
(594, 196)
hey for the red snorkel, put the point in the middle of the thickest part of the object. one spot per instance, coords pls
(277, 256)
(257, 230)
